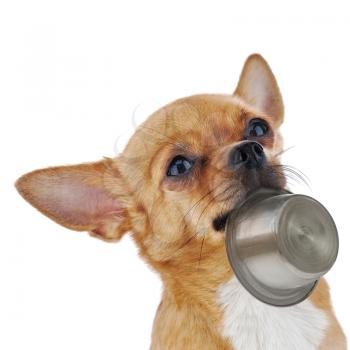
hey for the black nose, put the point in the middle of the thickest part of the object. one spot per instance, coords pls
(248, 154)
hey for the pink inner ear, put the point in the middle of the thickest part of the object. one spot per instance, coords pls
(72, 202)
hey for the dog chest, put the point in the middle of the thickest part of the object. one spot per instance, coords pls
(250, 324)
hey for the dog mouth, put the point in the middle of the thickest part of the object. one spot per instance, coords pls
(250, 184)
(219, 222)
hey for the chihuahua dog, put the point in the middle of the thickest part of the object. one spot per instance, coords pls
(185, 168)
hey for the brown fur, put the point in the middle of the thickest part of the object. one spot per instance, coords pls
(171, 219)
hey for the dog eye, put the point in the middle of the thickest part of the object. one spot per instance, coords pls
(257, 128)
(180, 165)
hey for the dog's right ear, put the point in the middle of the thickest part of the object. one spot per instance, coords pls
(258, 86)
(86, 197)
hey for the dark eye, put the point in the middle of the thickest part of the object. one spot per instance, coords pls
(180, 165)
(257, 128)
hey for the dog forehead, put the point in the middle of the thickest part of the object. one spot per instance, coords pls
(191, 112)
(199, 116)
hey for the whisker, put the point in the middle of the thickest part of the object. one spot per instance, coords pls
(198, 202)
(200, 254)
(298, 175)
(298, 171)
(294, 174)
(205, 208)
(283, 151)
(212, 202)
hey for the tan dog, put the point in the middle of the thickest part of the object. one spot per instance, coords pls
(182, 171)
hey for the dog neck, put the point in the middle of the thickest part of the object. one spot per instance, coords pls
(189, 315)
(205, 294)
(195, 273)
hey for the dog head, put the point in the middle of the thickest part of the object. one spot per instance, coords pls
(182, 171)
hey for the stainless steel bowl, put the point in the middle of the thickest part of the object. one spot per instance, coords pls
(279, 244)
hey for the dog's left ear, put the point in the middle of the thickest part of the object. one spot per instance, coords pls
(258, 87)
(86, 197)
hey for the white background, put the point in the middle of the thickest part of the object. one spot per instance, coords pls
(73, 74)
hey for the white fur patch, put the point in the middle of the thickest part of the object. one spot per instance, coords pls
(250, 324)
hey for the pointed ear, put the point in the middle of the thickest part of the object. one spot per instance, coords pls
(258, 87)
(86, 197)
